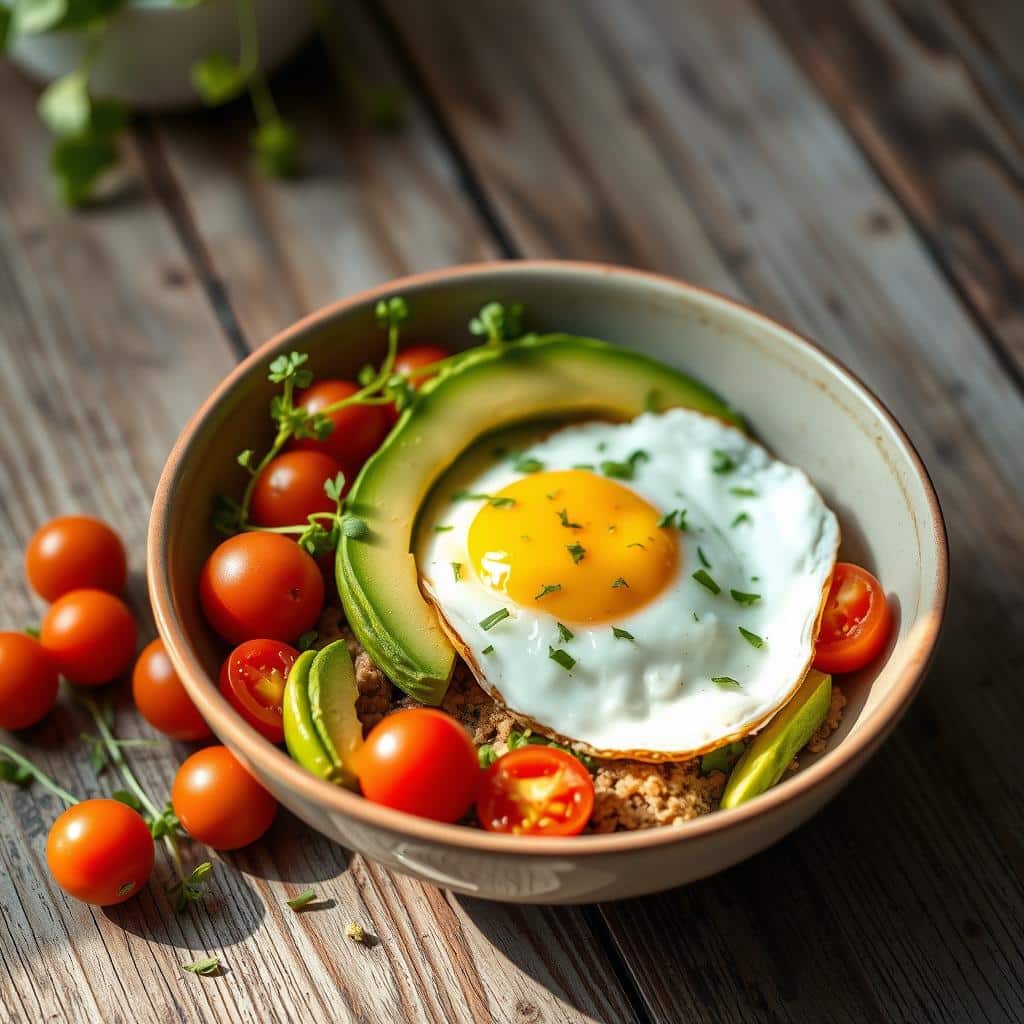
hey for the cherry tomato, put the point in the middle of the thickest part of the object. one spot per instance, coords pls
(415, 357)
(421, 761)
(75, 553)
(252, 680)
(261, 585)
(358, 429)
(161, 698)
(218, 802)
(536, 791)
(100, 851)
(856, 622)
(291, 488)
(90, 635)
(28, 681)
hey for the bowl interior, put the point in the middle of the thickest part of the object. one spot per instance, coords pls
(797, 401)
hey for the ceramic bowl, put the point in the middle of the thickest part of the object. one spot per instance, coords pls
(801, 403)
(149, 47)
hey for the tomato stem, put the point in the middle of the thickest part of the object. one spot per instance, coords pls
(39, 775)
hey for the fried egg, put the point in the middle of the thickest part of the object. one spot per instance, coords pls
(649, 589)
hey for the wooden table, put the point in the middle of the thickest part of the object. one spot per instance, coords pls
(854, 168)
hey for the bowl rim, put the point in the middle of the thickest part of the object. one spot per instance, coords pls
(846, 758)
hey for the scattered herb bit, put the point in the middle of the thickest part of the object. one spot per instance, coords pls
(705, 580)
(564, 633)
(755, 579)
(577, 551)
(493, 619)
(489, 649)
(743, 517)
(190, 889)
(356, 932)
(457, 571)
(166, 824)
(726, 683)
(306, 641)
(721, 462)
(486, 755)
(752, 638)
(584, 465)
(527, 464)
(502, 502)
(743, 492)
(32, 631)
(551, 495)
(667, 521)
(563, 518)
(602, 446)
(545, 589)
(624, 470)
(207, 966)
(696, 617)
(563, 658)
(471, 496)
(302, 900)
(16, 773)
(443, 529)
(517, 739)
(742, 598)
(637, 544)
(703, 558)
(622, 634)
(619, 582)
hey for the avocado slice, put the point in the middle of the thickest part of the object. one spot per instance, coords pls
(321, 728)
(549, 376)
(764, 761)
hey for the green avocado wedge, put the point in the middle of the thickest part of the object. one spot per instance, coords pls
(556, 376)
(764, 761)
(321, 728)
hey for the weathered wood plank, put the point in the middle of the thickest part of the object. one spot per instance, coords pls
(895, 76)
(710, 114)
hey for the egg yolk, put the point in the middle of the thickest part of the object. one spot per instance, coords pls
(574, 544)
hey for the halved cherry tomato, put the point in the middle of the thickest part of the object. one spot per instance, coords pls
(100, 851)
(261, 585)
(358, 429)
(421, 761)
(161, 697)
(219, 802)
(252, 680)
(856, 622)
(90, 635)
(28, 681)
(536, 791)
(291, 488)
(415, 357)
(72, 553)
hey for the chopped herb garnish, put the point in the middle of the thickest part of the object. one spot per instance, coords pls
(752, 638)
(551, 495)
(667, 521)
(443, 529)
(624, 470)
(563, 658)
(486, 755)
(602, 446)
(622, 634)
(545, 589)
(527, 464)
(300, 901)
(564, 633)
(721, 462)
(703, 558)
(755, 579)
(696, 617)
(493, 619)
(502, 502)
(743, 492)
(563, 518)
(637, 544)
(577, 551)
(457, 571)
(743, 598)
(706, 581)
(620, 582)
(470, 496)
(726, 683)
(489, 649)
(583, 465)
(743, 517)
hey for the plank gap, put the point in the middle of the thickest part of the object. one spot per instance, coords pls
(595, 920)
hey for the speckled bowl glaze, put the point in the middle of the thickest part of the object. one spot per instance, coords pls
(802, 404)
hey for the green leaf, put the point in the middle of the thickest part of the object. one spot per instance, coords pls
(527, 464)
(545, 589)
(333, 486)
(207, 966)
(191, 889)
(624, 470)
(307, 640)
(64, 105)
(218, 79)
(577, 551)
(31, 16)
(622, 634)
(127, 798)
(565, 634)
(619, 583)
(518, 739)
(77, 164)
(726, 683)
(15, 773)
(752, 638)
(493, 619)
(740, 597)
(275, 144)
(6, 18)
(302, 900)
(563, 518)
(705, 580)
(486, 755)
(563, 658)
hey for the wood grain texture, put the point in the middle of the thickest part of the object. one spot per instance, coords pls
(705, 107)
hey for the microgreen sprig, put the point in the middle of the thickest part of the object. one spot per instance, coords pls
(497, 322)
(19, 770)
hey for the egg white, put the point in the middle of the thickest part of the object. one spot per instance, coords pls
(651, 698)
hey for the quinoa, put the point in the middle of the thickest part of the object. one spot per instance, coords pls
(834, 715)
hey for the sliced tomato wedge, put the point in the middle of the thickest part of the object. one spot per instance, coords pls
(252, 680)
(856, 622)
(536, 791)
